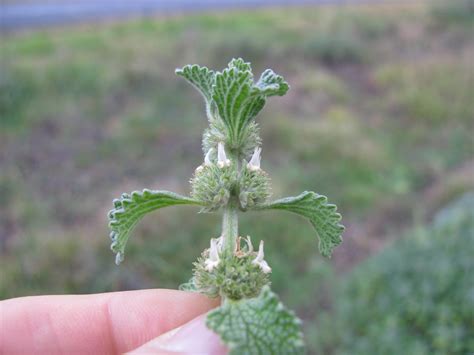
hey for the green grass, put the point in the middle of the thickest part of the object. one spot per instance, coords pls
(414, 297)
(379, 114)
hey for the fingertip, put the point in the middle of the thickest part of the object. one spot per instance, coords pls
(192, 338)
(103, 323)
(137, 316)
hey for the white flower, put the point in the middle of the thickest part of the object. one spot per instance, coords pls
(249, 244)
(259, 260)
(207, 161)
(207, 158)
(220, 243)
(254, 163)
(222, 160)
(214, 259)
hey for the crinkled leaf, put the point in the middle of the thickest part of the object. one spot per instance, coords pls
(259, 325)
(323, 217)
(201, 78)
(240, 64)
(130, 208)
(272, 84)
(232, 95)
(238, 99)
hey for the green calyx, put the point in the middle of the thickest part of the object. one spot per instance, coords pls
(214, 186)
(254, 187)
(233, 277)
(216, 133)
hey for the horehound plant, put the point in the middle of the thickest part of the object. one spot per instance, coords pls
(251, 318)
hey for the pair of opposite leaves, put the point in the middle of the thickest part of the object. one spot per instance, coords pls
(260, 325)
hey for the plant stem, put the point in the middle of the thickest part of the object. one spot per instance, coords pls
(230, 227)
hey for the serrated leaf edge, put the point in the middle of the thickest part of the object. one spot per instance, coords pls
(334, 217)
(122, 218)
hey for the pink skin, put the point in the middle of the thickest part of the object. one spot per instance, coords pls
(108, 323)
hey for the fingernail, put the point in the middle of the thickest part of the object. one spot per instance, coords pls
(192, 338)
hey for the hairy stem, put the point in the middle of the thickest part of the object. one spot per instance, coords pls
(230, 223)
(230, 228)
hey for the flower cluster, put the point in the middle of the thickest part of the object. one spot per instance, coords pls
(240, 275)
(213, 260)
(218, 178)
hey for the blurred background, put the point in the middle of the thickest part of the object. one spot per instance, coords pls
(379, 118)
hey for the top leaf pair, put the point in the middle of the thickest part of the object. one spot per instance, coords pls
(233, 96)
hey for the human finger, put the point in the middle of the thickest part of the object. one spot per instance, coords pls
(94, 324)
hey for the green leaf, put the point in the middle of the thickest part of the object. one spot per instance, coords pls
(201, 78)
(239, 100)
(323, 217)
(240, 64)
(272, 84)
(130, 208)
(232, 95)
(259, 325)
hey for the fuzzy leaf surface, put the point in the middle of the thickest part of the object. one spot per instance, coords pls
(259, 325)
(322, 215)
(201, 78)
(238, 99)
(272, 84)
(129, 209)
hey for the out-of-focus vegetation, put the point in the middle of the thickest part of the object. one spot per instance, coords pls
(456, 11)
(416, 297)
(379, 118)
